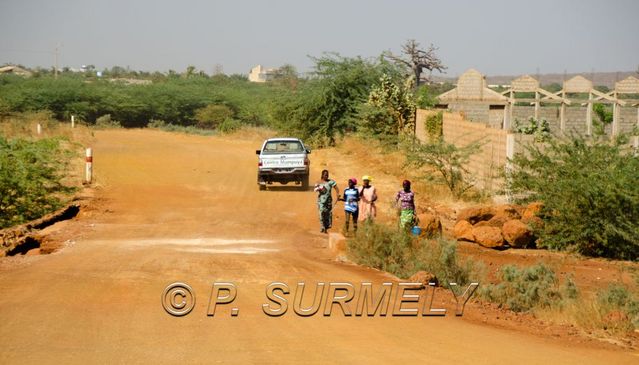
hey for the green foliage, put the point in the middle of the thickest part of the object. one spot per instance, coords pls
(396, 251)
(171, 98)
(618, 298)
(229, 125)
(168, 127)
(210, 116)
(328, 105)
(539, 128)
(604, 114)
(391, 109)
(448, 161)
(384, 248)
(30, 179)
(434, 124)
(590, 194)
(426, 95)
(105, 121)
(523, 289)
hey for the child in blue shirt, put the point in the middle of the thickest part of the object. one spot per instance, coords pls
(351, 199)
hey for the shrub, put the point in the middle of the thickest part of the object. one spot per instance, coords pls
(229, 125)
(617, 298)
(395, 103)
(384, 248)
(30, 175)
(105, 121)
(434, 124)
(448, 161)
(168, 127)
(396, 251)
(211, 116)
(590, 194)
(614, 310)
(539, 128)
(523, 289)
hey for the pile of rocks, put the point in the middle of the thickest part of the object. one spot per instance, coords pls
(499, 226)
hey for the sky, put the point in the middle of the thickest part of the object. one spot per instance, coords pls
(493, 36)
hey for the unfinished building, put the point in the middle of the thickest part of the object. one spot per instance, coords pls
(566, 111)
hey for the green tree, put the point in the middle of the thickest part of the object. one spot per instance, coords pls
(327, 105)
(390, 109)
(589, 191)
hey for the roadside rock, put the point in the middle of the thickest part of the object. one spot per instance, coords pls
(517, 233)
(506, 211)
(532, 210)
(475, 214)
(430, 224)
(497, 221)
(488, 236)
(424, 277)
(33, 251)
(463, 231)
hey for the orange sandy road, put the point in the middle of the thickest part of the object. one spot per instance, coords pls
(186, 208)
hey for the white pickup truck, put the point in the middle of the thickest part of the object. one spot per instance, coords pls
(283, 160)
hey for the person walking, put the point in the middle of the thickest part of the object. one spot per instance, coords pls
(405, 199)
(324, 191)
(351, 199)
(367, 196)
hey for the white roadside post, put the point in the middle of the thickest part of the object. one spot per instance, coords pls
(39, 128)
(73, 121)
(88, 175)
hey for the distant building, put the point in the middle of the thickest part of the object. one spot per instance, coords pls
(17, 70)
(261, 74)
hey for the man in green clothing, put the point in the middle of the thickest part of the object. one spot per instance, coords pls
(324, 191)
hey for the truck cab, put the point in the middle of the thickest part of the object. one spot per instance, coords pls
(283, 160)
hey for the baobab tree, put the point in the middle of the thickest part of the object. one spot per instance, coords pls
(418, 60)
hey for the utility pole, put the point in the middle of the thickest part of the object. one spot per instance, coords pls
(55, 69)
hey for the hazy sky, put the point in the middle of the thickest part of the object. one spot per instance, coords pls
(495, 37)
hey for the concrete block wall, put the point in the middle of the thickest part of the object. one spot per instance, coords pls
(485, 165)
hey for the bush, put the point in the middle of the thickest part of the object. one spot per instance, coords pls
(448, 161)
(30, 175)
(211, 116)
(527, 288)
(590, 194)
(398, 252)
(390, 108)
(229, 126)
(617, 298)
(434, 124)
(105, 121)
(614, 309)
(539, 128)
(168, 127)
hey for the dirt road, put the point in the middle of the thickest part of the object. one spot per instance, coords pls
(174, 207)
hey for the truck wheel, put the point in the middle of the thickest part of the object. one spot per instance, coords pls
(305, 182)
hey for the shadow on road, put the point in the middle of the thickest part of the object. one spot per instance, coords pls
(298, 189)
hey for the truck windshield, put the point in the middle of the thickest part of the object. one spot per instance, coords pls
(283, 147)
